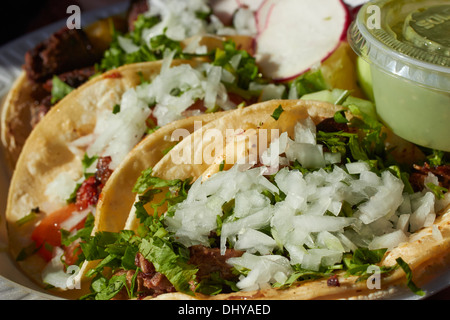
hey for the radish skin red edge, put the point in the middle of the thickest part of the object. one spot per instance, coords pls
(278, 50)
(284, 50)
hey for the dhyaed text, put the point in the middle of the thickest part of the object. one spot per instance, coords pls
(245, 309)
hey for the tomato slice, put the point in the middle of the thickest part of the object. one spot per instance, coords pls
(48, 233)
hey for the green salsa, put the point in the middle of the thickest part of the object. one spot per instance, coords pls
(405, 45)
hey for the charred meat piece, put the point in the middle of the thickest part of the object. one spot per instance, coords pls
(103, 171)
(149, 282)
(89, 191)
(420, 173)
(40, 109)
(330, 125)
(209, 260)
(65, 50)
(74, 78)
(136, 8)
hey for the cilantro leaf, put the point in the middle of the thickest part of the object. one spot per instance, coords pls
(277, 112)
(245, 72)
(106, 289)
(116, 56)
(59, 89)
(167, 262)
(309, 82)
(411, 285)
(146, 181)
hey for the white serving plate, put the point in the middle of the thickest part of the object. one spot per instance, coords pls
(14, 285)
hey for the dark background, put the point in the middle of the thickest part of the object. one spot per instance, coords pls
(19, 17)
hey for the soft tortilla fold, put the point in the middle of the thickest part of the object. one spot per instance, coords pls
(426, 254)
(47, 152)
(15, 127)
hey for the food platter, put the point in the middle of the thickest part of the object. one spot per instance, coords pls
(13, 284)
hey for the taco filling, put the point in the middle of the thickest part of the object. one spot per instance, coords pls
(149, 29)
(178, 91)
(325, 203)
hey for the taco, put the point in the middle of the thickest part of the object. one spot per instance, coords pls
(47, 68)
(324, 211)
(137, 35)
(76, 147)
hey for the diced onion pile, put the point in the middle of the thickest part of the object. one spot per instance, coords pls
(172, 92)
(180, 20)
(307, 223)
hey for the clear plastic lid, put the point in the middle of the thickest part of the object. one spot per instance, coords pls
(407, 38)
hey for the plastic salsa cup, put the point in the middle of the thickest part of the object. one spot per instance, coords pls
(406, 43)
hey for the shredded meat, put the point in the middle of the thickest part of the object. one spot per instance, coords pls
(209, 260)
(103, 171)
(65, 50)
(330, 125)
(420, 172)
(43, 104)
(90, 189)
(134, 10)
(73, 78)
(40, 109)
(148, 281)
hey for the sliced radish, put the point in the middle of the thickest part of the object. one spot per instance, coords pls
(250, 4)
(263, 13)
(296, 35)
(225, 9)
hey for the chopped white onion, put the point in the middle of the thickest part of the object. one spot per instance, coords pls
(423, 215)
(307, 222)
(388, 241)
(437, 235)
(55, 274)
(127, 44)
(75, 218)
(264, 269)
(60, 189)
(254, 241)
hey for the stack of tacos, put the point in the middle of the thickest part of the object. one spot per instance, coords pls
(201, 178)
(141, 34)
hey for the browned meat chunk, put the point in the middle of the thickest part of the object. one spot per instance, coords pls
(73, 78)
(150, 282)
(103, 171)
(65, 50)
(330, 125)
(209, 260)
(418, 176)
(135, 9)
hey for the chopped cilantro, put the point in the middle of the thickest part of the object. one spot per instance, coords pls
(161, 253)
(59, 89)
(116, 56)
(222, 165)
(339, 117)
(438, 191)
(277, 112)
(146, 180)
(309, 82)
(29, 217)
(116, 109)
(409, 282)
(246, 71)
